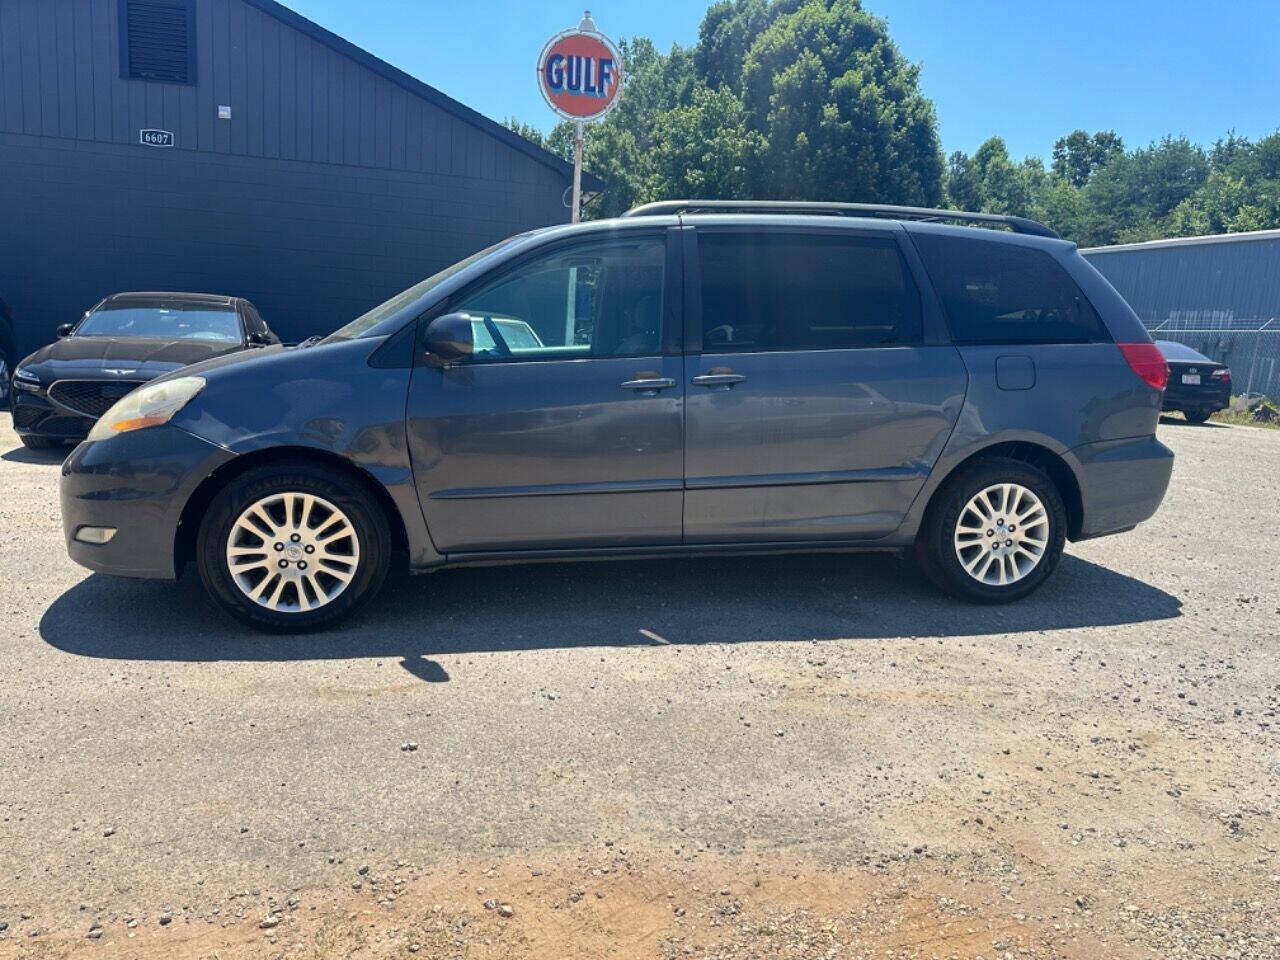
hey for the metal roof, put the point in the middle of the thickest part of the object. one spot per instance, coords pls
(416, 87)
(1243, 237)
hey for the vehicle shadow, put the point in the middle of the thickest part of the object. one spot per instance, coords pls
(50, 458)
(645, 602)
(1168, 421)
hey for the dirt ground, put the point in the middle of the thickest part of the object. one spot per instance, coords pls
(773, 757)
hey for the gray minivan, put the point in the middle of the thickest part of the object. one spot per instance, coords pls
(701, 377)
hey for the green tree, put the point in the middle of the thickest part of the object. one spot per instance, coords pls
(810, 99)
(1217, 207)
(621, 148)
(838, 107)
(1251, 162)
(1077, 155)
(963, 186)
(992, 183)
(1130, 197)
(705, 149)
(1268, 157)
(727, 32)
(794, 99)
(1062, 205)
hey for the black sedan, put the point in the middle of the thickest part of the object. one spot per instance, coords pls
(1197, 386)
(126, 340)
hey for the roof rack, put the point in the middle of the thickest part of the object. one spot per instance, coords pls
(668, 207)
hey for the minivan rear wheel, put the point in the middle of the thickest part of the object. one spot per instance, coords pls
(994, 532)
(292, 548)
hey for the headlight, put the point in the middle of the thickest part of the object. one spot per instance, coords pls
(148, 406)
(26, 380)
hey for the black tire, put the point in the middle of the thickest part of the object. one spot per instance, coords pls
(6, 382)
(41, 443)
(1197, 416)
(936, 552)
(346, 493)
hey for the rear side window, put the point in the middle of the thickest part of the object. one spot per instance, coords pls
(995, 292)
(791, 291)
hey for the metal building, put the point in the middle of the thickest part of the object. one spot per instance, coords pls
(1218, 294)
(233, 146)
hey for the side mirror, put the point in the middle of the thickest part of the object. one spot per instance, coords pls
(451, 336)
(65, 329)
(258, 339)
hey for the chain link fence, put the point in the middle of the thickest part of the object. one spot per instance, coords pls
(1250, 348)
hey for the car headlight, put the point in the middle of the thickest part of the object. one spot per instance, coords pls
(148, 406)
(24, 379)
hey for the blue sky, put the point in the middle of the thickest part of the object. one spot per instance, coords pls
(1028, 71)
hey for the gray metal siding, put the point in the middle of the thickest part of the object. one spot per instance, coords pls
(291, 97)
(1218, 295)
(313, 245)
(329, 189)
(1200, 282)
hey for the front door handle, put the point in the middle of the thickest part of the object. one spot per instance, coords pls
(718, 379)
(648, 386)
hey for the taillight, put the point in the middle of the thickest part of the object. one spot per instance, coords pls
(1146, 360)
(1222, 375)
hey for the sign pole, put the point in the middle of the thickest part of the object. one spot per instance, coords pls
(580, 75)
(577, 173)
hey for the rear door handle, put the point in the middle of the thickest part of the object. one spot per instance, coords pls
(648, 386)
(726, 380)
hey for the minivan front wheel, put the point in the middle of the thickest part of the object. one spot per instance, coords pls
(292, 548)
(994, 533)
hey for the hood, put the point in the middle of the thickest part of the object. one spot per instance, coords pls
(145, 357)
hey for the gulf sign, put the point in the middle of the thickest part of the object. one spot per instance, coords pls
(580, 74)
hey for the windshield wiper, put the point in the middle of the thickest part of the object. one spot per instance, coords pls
(310, 341)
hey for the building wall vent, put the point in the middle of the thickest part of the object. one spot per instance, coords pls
(157, 40)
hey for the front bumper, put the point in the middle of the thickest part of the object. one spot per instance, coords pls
(137, 483)
(35, 415)
(1122, 483)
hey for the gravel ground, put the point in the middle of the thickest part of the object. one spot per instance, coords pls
(790, 757)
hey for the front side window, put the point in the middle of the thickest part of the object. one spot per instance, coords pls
(795, 291)
(596, 299)
(994, 292)
(168, 323)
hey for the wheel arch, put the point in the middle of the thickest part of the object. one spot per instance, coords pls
(1052, 464)
(188, 523)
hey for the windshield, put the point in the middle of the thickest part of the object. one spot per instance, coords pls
(364, 323)
(1173, 350)
(167, 323)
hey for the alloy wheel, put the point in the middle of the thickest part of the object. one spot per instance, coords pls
(292, 552)
(1001, 534)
